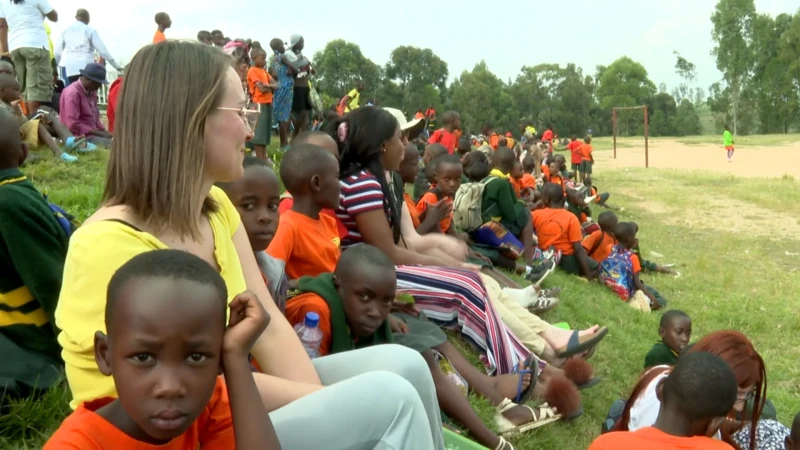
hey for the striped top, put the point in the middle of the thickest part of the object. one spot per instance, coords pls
(360, 193)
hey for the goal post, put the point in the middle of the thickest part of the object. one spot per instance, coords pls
(646, 143)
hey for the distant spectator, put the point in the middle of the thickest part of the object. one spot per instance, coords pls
(77, 45)
(205, 37)
(111, 109)
(163, 21)
(79, 106)
(22, 34)
(218, 38)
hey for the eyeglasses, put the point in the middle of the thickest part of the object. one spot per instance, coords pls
(249, 116)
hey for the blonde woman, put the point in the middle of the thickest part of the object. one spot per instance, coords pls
(182, 126)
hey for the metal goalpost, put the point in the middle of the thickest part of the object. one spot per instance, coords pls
(614, 120)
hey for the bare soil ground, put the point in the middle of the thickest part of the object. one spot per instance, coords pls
(749, 161)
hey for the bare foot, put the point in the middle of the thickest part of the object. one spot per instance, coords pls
(519, 415)
(506, 385)
(589, 331)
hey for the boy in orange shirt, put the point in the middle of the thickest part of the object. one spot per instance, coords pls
(306, 240)
(515, 178)
(261, 87)
(695, 397)
(598, 244)
(447, 170)
(558, 228)
(586, 158)
(449, 134)
(573, 148)
(163, 21)
(164, 344)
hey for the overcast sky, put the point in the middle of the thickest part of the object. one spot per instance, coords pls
(585, 32)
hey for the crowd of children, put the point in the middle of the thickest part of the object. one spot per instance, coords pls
(512, 205)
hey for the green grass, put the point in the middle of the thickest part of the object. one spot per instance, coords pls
(736, 276)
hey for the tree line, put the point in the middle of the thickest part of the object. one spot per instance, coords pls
(758, 55)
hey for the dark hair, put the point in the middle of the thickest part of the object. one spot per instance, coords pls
(504, 158)
(213, 32)
(203, 35)
(363, 255)
(436, 150)
(8, 59)
(360, 136)
(250, 161)
(672, 314)
(701, 386)
(300, 163)
(624, 231)
(529, 163)
(306, 136)
(446, 159)
(476, 166)
(587, 140)
(160, 17)
(166, 263)
(605, 217)
(553, 192)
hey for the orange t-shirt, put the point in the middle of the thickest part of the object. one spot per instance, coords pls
(255, 74)
(430, 199)
(558, 228)
(494, 140)
(654, 439)
(308, 246)
(159, 37)
(84, 429)
(419, 115)
(517, 185)
(296, 310)
(412, 210)
(637, 266)
(528, 181)
(574, 147)
(556, 179)
(586, 152)
(446, 138)
(602, 250)
(286, 204)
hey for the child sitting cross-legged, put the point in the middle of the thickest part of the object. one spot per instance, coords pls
(600, 198)
(620, 272)
(354, 305)
(166, 340)
(675, 330)
(598, 244)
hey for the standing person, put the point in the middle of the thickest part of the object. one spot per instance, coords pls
(79, 110)
(261, 87)
(77, 45)
(163, 21)
(301, 102)
(547, 139)
(350, 101)
(218, 38)
(205, 37)
(282, 70)
(727, 141)
(111, 99)
(22, 34)
(174, 204)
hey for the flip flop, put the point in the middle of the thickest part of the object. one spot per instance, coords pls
(591, 383)
(506, 428)
(577, 344)
(523, 395)
(574, 415)
(73, 143)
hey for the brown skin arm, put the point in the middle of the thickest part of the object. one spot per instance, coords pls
(583, 260)
(3, 36)
(52, 16)
(640, 286)
(375, 230)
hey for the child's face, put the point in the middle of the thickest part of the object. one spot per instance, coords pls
(10, 93)
(410, 165)
(448, 178)
(554, 168)
(7, 68)
(163, 349)
(326, 187)
(516, 172)
(677, 333)
(367, 298)
(260, 60)
(256, 197)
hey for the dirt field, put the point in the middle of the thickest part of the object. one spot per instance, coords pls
(753, 161)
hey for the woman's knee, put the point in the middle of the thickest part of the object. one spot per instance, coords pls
(406, 362)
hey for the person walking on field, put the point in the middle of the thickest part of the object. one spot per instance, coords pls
(77, 46)
(727, 141)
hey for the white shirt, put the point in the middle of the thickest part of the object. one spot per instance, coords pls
(26, 23)
(644, 411)
(77, 46)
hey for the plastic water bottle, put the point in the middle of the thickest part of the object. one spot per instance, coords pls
(310, 334)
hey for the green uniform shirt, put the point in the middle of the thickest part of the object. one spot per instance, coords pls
(500, 203)
(660, 355)
(727, 138)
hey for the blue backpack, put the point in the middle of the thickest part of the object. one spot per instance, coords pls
(64, 219)
(616, 272)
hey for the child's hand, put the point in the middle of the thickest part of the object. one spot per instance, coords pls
(397, 325)
(248, 320)
(441, 209)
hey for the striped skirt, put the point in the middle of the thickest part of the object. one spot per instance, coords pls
(457, 300)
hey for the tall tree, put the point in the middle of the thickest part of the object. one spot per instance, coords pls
(483, 99)
(340, 65)
(625, 83)
(409, 64)
(733, 36)
(688, 73)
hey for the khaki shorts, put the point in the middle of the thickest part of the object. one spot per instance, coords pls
(35, 73)
(30, 133)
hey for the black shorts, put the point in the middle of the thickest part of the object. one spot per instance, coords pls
(575, 166)
(586, 166)
(301, 102)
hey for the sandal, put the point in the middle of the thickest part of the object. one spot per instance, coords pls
(523, 395)
(543, 304)
(505, 427)
(578, 344)
(504, 445)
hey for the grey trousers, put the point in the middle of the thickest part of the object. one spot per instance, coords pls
(381, 397)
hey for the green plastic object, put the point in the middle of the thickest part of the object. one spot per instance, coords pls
(454, 441)
(562, 325)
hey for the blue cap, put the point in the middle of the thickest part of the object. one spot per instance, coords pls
(312, 319)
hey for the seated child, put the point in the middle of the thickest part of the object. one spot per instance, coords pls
(695, 399)
(576, 204)
(464, 147)
(33, 248)
(165, 319)
(600, 199)
(620, 271)
(307, 241)
(33, 131)
(422, 185)
(598, 244)
(447, 172)
(528, 180)
(554, 175)
(450, 133)
(675, 330)
(516, 178)
(558, 228)
(354, 305)
(256, 196)
(587, 160)
(408, 172)
(649, 266)
(575, 156)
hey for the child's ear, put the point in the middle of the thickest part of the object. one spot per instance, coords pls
(102, 354)
(315, 184)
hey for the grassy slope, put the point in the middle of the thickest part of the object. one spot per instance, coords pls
(730, 280)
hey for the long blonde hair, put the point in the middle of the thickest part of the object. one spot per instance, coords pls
(157, 162)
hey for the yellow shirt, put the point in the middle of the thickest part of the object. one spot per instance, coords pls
(49, 41)
(355, 97)
(95, 252)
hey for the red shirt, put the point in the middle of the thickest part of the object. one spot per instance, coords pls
(446, 138)
(547, 136)
(574, 148)
(111, 109)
